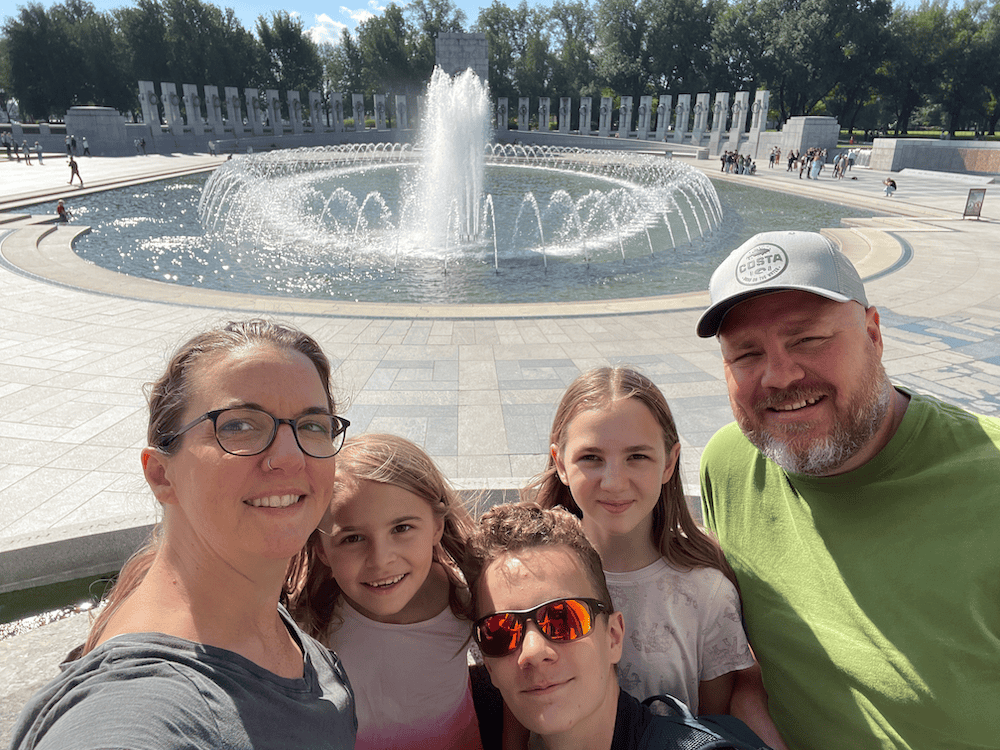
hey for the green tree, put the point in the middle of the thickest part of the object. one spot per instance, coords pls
(912, 60)
(574, 39)
(343, 65)
(144, 32)
(506, 31)
(65, 56)
(679, 44)
(802, 49)
(965, 65)
(428, 18)
(623, 64)
(292, 59)
(383, 42)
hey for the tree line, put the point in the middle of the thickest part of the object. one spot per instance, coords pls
(869, 63)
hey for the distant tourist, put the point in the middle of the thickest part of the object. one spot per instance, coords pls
(86, 148)
(72, 142)
(74, 171)
(69, 148)
(38, 151)
(890, 186)
(27, 151)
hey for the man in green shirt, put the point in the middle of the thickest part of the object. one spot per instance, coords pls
(861, 519)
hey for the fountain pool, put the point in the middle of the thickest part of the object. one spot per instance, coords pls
(153, 231)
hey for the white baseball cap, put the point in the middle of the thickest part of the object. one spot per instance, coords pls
(780, 262)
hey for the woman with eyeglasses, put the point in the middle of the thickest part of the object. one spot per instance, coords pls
(192, 649)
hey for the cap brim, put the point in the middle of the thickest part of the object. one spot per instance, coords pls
(711, 320)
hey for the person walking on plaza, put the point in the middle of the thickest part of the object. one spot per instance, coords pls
(86, 148)
(27, 151)
(69, 148)
(74, 171)
(860, 517)
(72, 142)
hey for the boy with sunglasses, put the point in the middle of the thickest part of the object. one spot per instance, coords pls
(549, 635)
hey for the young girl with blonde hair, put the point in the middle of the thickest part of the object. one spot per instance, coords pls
(613, 461)
(379, 582)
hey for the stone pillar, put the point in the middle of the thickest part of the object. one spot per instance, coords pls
(273, 105)
(720, 111)
(294, 112)
(192, 104)
(543, 114)
(358, 102)
(736, 128)
(522, 114)
(565, 105)
(337, 112)
(585, 106)
(402, 115)
(683, 115)
(316, 120)
(701, 109)
(150, 105)
(255, 115)
(645, 115)
(625, 117)
(502, 125)
(172, 108)
(213, 108)
(380, 112)
(234, 112)
(604, 125)
(758, 119)
(663, 110)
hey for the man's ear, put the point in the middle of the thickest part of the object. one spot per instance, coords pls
(874, 329)
(558, 462)
(155, 469)
(616, 635)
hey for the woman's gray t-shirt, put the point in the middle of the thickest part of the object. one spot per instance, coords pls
(150, 691)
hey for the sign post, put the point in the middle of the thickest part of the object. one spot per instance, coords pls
(974, 203)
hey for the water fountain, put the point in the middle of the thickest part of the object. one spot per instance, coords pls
(430, 221)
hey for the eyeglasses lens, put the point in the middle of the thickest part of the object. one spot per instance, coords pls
(562, 620)
(248, 432)
(565, 621)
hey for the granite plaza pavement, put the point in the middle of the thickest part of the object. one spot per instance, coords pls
(475, 385)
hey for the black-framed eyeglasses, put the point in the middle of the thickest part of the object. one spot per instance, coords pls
(559, 620)
(249, 432)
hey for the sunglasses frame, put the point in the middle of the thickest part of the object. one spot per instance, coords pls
(594, 606)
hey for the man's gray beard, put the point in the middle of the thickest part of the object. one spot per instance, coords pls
(825, 456)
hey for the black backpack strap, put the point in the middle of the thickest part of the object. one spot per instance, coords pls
(681, 730)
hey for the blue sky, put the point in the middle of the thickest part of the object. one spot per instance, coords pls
(323, 20)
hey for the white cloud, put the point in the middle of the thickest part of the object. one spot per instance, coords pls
(360, 15)
(325, 29)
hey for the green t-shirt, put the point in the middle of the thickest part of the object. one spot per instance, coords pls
(872, 598)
